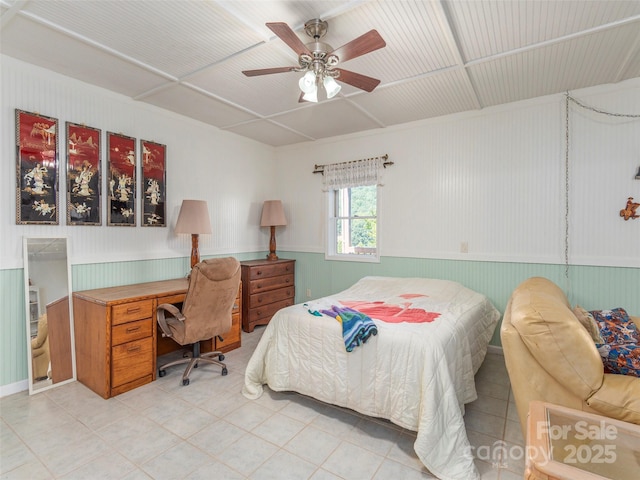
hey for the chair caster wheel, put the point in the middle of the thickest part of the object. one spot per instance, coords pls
(185, 382)
(224, 371)
(162, 373)
(221, 357)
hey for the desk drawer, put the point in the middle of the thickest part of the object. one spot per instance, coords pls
(232, 336)
(127, 332)
(264, 284)
(131, 361)
(127, 312)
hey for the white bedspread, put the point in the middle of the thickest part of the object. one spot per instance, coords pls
(417, 375)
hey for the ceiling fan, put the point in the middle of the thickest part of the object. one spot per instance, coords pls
(319, 60)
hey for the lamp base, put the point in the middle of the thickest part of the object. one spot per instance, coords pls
(195, 251)
(272, 245)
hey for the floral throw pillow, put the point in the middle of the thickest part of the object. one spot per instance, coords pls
(615, 326)
(622, 359)
(589, 323)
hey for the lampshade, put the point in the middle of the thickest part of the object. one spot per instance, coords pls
(193, 217)
(331, 86)
(272, 214)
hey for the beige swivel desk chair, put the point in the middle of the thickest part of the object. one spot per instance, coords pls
(206, 312)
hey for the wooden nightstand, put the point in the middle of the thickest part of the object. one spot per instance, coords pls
(267, 286)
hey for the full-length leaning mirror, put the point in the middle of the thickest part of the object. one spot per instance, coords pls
(47, 279)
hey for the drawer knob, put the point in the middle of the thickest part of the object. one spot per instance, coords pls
(134, 349)
(133, 310)
(133, 329)
(259, 272)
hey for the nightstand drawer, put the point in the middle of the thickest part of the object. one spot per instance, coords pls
(128, 332)
(131, 311)
(271, 283)
(264, 271)
(131, 361)
(260, 313)
(271, 296)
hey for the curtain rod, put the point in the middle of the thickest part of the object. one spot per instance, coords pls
(320, 168)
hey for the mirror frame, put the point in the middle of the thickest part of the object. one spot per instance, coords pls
(26, 262)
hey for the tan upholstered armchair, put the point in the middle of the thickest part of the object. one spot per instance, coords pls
(40, 350)
(550, 357)
(205, 314)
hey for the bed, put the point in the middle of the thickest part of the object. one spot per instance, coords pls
(416, 369)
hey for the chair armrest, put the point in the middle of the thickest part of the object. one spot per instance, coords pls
(160, 314)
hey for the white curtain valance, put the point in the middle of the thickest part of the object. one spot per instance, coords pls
(353, 174)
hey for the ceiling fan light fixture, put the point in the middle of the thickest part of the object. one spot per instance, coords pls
(331, 86)
(308, 82)
(311, 96)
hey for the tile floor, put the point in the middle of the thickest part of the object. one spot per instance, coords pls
(209, 430)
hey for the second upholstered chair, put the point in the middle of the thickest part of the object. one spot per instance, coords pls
(40, 350)
(205, 313)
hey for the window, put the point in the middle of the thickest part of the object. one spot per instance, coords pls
(353, 193)
(353, 223)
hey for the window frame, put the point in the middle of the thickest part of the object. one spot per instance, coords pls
(331, 233)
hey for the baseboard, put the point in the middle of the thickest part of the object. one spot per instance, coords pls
(495, 349)
(11, 388)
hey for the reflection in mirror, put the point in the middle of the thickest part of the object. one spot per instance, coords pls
(50, 347)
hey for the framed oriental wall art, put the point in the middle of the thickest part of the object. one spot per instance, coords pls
(121, 180)
(36, 169)
(153, 183)
(83, 175)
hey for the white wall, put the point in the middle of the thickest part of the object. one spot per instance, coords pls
(494, 179)
(235, 175)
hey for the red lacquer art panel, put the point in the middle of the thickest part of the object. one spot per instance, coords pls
(121, 180)
(153, 159)
(36, 169)
(83, 175)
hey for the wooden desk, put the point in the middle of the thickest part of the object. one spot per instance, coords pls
(60, 340)
(116, 334)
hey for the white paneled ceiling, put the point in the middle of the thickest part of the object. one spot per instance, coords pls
(441, 56)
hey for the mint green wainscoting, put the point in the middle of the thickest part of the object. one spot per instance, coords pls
(591, 287)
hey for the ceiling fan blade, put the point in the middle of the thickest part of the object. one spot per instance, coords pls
(365, 43)
(357, 80)
(267, 71)
(288, 36)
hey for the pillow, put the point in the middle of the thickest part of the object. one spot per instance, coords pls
(616, 326)
(589, 323)
(623, 359)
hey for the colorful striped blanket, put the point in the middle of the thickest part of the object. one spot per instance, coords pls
(356, 326)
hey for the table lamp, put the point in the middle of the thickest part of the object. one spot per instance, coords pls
(194, 219)
(272, 216)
